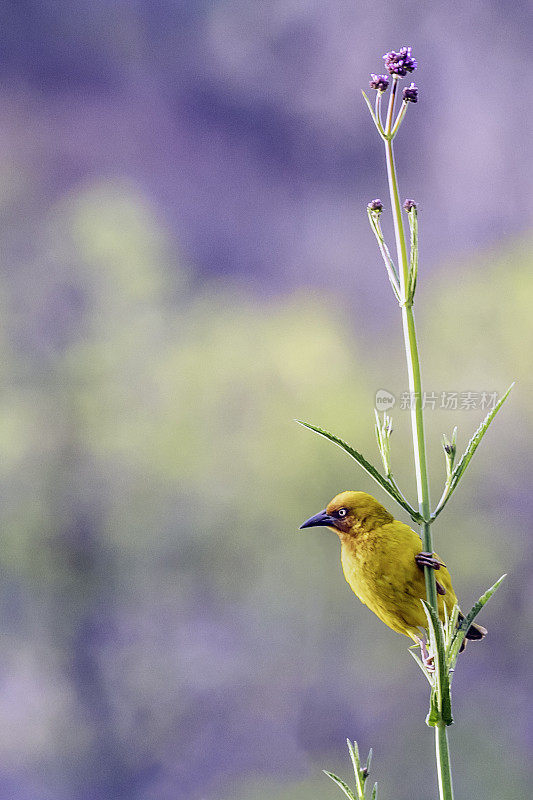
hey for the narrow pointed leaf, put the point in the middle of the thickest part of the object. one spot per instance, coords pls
(377, 427)
(345, 788)
(436, 643)
(375, 792)
(354, 755)
(421, 665)
(433, 716)
(445, 623)
(451, 628)
(460, 634)
(368, 467)
(477, 437)
(386, 256)
(356, 762)
(369, 760)
(442, 682)
(471, 448)
(413, 265)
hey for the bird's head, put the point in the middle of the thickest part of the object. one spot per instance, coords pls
(350, 513)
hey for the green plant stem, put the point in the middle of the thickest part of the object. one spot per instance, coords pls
(417, 421)
(444, 769)
(413, 362)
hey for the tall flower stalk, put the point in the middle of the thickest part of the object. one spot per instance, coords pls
(446, 639)
(415, 389)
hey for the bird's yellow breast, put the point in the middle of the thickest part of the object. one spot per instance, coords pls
(380, 567)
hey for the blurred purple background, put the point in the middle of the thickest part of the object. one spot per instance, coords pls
(187, 266)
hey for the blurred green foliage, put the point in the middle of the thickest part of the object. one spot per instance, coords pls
(166, 623)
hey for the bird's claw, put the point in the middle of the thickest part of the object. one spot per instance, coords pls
(427, 660)
(424, 559)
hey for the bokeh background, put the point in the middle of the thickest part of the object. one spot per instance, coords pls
(186, 267)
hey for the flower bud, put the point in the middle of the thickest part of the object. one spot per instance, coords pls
(400, 63)
(410, 94)
(409, 205)
(375, 205)
(379, 82)
(450, 447)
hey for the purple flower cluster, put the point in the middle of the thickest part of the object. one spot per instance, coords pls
(379, 82)
(400, 63)
(409, 205)
(410, 94)
(376, 205)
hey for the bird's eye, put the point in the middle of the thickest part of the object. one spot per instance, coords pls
(341, 512)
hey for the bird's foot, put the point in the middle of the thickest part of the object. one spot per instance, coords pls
(427, 660)
(424, 559)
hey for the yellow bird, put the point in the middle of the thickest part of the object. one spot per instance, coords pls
(383, 562)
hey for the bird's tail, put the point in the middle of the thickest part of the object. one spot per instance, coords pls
(475, 632)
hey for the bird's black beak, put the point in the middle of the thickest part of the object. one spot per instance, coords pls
(322, 518)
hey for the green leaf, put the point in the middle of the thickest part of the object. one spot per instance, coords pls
(446, 701)
(433, 717)
(385, 254)
(413, 265)
(477, 437)
(436, 642)
(421, 665)
(356, 763)
(460, 634)
(375, 792)
(451, 628)
(471, 448)
(377, 430)
(367, 466)
(345, 788)
(449, 447)
(442, 681)
(354, 755)
(383, 430)
(369, 760)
